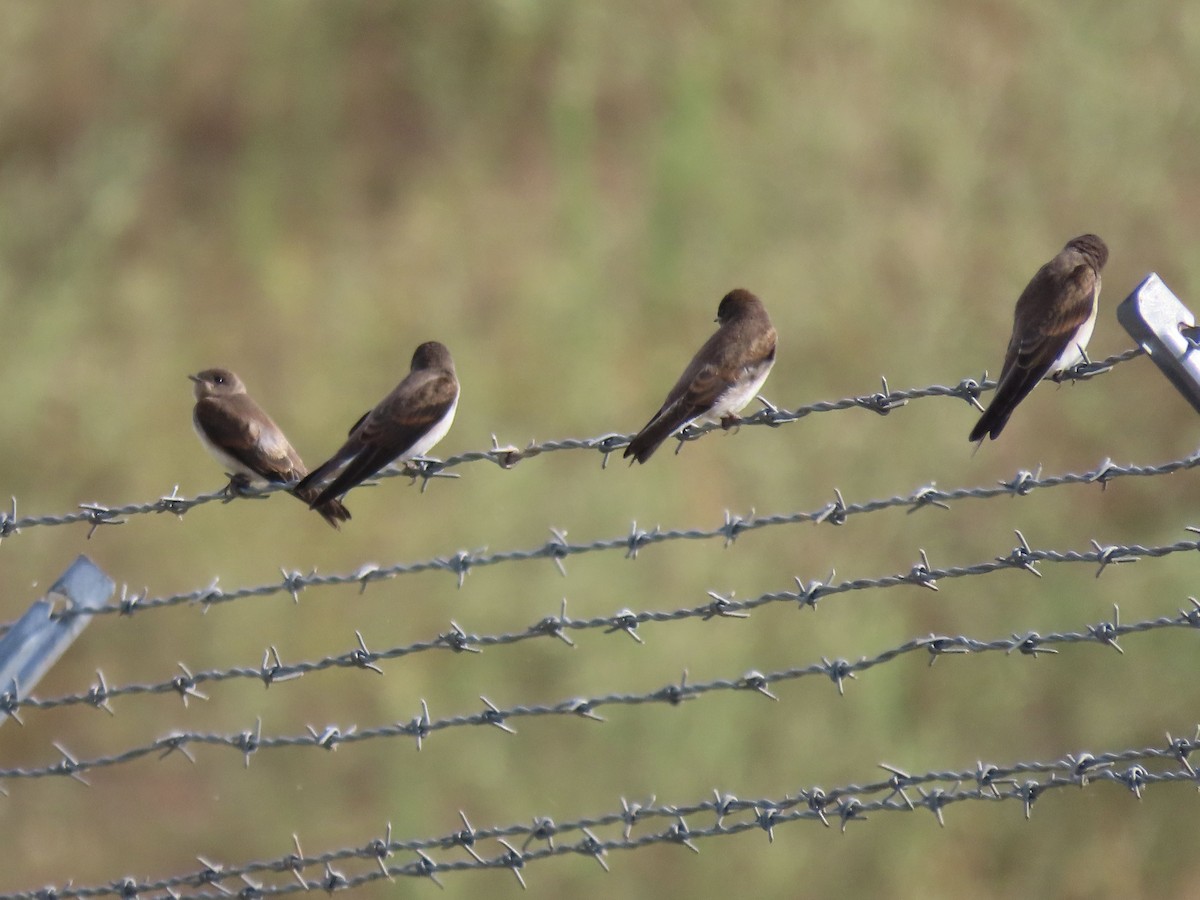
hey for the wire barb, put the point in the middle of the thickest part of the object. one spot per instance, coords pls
(424, 469)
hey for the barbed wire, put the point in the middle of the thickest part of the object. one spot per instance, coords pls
(329, 737)
(899, 792)
(558, 549)
(187, 685)
(518, 847)
(507, 456)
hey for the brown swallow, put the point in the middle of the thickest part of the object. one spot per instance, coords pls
(724, 375)
(244, 439)
(408, 422)
(1052, 325)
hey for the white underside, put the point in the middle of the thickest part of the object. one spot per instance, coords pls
(1073, 353)
(429, 439)
(231, 465)
(736, 398)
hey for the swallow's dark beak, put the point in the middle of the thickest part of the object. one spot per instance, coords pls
(195, 378)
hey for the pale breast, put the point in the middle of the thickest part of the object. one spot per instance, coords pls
(736, 398)
(228, 463)
(1072, 354)
(429, 440)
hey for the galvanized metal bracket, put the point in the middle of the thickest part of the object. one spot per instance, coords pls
(1165, 329)
(42, 635)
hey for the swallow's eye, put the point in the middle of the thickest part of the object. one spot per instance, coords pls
(219, 379)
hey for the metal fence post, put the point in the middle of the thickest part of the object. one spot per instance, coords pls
(1161, 324)
(43, 634)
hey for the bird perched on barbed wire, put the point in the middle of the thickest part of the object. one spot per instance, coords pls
(1052, 325)
(407, 423)
(244, 439)
(724, 375)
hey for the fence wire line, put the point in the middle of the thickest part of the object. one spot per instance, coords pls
(518, 845)
(187, 685)
(839, 671)
(881, 402)
(460, 564)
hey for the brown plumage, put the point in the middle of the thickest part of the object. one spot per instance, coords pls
(408, 422)
(244, 439)
(724, 375)
(1052, 325)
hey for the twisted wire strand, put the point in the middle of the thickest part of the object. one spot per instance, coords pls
(518, 846)
(273, 670)
(507, 456)
(838, 671)
(558, 549)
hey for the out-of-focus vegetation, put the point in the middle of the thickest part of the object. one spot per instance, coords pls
(561, 193)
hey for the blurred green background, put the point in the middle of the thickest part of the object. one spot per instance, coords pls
(561, 193)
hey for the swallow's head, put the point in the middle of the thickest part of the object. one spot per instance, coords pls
(216, 383)
(737, 303)
(1092, 247)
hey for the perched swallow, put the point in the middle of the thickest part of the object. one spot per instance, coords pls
(408, 422)
(1052, 325)
(243, 439)
(725, 375)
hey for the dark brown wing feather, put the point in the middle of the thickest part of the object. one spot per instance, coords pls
(691, 397)
(713, 370)
(332, 511)
(408, 412)
(239, 426)
(1049, 312)
(417, 404)
(310, 482)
